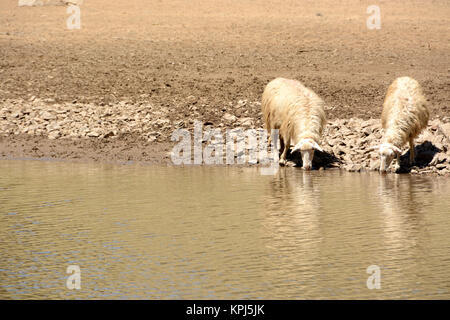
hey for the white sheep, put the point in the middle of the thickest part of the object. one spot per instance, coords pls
(405, 115)
(298, 113)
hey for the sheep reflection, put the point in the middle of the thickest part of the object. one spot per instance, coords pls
(404, 237)
(291, 223)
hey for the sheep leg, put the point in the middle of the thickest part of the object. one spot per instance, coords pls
(284, 147)
(397, 166)
(281, 144)
(269, 132)
(412, 155)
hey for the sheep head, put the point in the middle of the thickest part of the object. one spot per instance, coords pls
(307, 147)
(387, 153)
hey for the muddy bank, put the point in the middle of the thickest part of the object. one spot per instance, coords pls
(141, 132)
(172, 52)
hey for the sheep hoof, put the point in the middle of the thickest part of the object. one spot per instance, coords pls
(282, 162)
(290, 164)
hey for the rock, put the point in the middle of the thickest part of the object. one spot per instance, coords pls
(332, 142)
(93, 134)
(74, 2)
(229, 117)
(16, 114)
(344, 150)
(290, 164)
(345, 131)
(191, 99)
(47, 116)
(53, 126)
(347, 158)
(242, 103)
(246, 122)
(162, 122)
(377, 135)
(444, 128)
(33, 3)
(354, 168)
(110, 134)
(374, 165)
(53, 135)
(438, 158)
(367, 131)
(180, 124)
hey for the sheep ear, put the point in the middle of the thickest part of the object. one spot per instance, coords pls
(295, 148)
(317, 147)
(398, 150)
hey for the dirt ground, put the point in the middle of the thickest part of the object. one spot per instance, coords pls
(211, 54)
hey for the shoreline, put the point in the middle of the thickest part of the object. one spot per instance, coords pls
(424, 172)
(141, 133)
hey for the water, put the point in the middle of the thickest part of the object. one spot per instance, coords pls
(145, 232)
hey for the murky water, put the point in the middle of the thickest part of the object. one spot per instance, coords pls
(220, 233)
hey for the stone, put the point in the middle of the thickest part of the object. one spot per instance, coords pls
(229, 117)
(110, 134)
(246, 122)
(377, 135)
(53, 135)
(374, 165)
(34, 3)
(445, 130)
(354, 168)
(73, 2)
(162, 122)
(439, 158)
(332, 142)
(53, 126)
(31, 3)
(16, 114)
(93, 134)
(47, 116)
(242, 103)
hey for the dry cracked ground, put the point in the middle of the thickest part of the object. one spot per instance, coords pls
(116, 89)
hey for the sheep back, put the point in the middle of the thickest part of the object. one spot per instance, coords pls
(294, 109)
(405, 111)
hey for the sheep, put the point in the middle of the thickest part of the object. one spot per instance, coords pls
(404, 116)
(298, 113)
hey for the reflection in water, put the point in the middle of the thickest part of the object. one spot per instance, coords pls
(410, 204)
(219, 233)
(292, 223)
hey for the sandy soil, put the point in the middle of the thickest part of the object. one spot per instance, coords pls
(210, 54)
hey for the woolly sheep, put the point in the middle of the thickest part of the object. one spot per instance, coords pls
(405, 115)
(298, 113)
